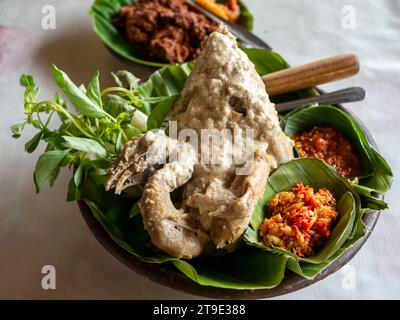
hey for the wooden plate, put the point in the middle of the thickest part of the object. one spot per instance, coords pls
(167, 276)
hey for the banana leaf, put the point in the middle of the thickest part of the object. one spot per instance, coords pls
(167, 81)
(250, 268)
(316, 174)
(381, 181)
(103, 11)
(376, 174)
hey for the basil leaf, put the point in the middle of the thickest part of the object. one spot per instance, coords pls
(26, 81)
(73, 193)
(93, 90)
(48, 167)
(32, 91)
(82, 88)
(160, 112)
(17, 129)
(78, 176)
(130, 78)
(114, 105)
(135, 210)
(132, 131)
(117, 80)
(85, 145)
(80, 101)
(32, 144)
(118, 143)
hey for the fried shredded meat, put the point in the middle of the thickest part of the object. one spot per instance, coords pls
(164, 30)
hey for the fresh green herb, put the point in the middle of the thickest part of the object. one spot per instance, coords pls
(104, 120)
(48, 167)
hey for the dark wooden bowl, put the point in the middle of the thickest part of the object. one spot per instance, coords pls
(166, 276)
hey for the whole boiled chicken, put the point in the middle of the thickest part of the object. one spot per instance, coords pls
(221, 145)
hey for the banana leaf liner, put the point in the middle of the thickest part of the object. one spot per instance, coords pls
(102, 12)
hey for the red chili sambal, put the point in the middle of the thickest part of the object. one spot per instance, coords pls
(332, 147)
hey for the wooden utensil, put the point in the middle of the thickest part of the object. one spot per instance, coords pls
(347, 95)
(312, 74)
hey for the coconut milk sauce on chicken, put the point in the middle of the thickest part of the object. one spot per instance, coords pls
(224, 91)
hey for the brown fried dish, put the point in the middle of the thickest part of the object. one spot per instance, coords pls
(331, 146)
(164, 30)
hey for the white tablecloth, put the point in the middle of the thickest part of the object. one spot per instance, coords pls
(38, 230)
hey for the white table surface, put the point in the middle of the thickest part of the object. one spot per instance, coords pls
(37, 230)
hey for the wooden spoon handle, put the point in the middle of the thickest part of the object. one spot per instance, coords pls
(312, 74)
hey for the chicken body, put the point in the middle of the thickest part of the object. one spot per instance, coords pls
(238, 142)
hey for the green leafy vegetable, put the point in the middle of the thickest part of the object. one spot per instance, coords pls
(93, 90)
(32, 144)
(48, 167)
(115, 105)
(130, 78)
(85, 145)
(160, 112)
(17, 129)
(81, 102)
(78, 176)
(167, 81)
(103, 11)
(96, 133)
(246, 18)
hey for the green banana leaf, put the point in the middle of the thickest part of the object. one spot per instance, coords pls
(102, 12)
(377, 176)
(249, 268)
(167, 81)
(381, 181)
